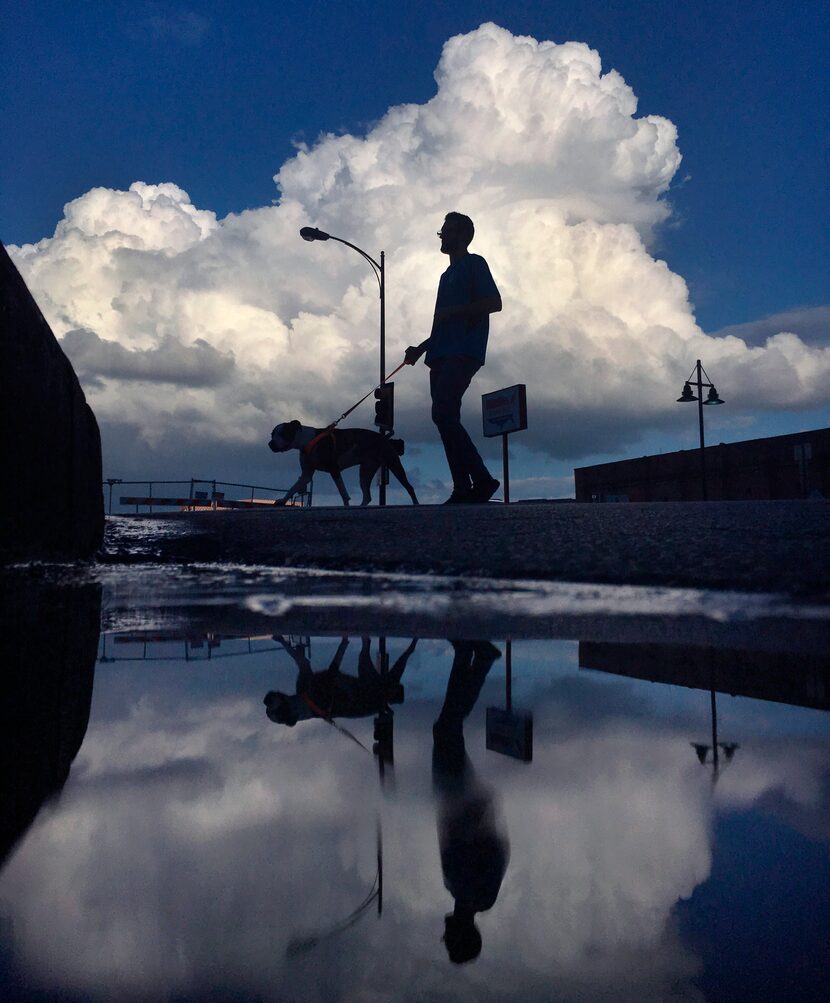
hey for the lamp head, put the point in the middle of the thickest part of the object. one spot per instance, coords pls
(312, 233)
(712, 397)
(687, 396)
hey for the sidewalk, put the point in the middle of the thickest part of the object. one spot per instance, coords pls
(779, 546)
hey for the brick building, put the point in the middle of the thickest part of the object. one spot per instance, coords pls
(781, 466)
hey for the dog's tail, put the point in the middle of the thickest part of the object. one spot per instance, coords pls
(397, 445)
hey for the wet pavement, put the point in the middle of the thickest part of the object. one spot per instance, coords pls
(779, 546)
(257, 782)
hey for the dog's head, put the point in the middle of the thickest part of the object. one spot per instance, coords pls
(278, 708)
(283, 436)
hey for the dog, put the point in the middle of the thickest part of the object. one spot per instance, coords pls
(333, 450)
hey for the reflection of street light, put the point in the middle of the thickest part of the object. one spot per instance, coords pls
(687, 397)
(311, 233)
(302, 944)
(702, 750)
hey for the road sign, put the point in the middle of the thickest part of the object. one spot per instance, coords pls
(510, 733)
(504, 411)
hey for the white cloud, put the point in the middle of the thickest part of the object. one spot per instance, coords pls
(566, 186)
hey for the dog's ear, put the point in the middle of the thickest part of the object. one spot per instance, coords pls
(291, 429)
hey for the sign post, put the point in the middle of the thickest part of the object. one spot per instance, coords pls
(510, 732)
(503, 412)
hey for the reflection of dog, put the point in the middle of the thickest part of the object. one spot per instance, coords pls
(332, 450)
(332, 693)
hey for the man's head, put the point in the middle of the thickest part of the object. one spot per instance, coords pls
(456, 233)
(461, 937)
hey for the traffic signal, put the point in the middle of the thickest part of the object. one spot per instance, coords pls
(385, 406)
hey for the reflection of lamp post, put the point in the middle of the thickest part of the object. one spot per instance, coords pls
(702, 750)
(302, 944)
(311, 233)
(687, 397)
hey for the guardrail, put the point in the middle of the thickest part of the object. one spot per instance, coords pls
(183, 646)
(197, 494)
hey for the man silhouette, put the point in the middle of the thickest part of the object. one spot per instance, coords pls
(473, 845)
(455, 351)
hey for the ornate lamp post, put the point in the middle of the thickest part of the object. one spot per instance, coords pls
(311, 233)
(687, 397)
(727, 748)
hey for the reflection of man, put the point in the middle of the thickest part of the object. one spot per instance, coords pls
(474, 848)
(332, 693)
(455, 351)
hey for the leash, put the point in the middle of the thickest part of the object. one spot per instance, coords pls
(328, 431)
(319, 712)
(362, 399)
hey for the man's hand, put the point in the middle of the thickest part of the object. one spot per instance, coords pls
(413, 353)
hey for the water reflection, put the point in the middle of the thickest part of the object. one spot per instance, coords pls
(474, 846)
(48, 642)
(207, 846)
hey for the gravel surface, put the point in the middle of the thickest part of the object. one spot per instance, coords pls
(777, 546)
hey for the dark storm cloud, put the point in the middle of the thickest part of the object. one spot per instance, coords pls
(811, 324)
(196, 365)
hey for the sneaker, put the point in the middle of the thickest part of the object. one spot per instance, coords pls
(484, 491)
(458, 496)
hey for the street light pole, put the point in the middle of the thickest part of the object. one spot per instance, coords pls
(696, 377)
(699, 369)
(379, 268)
(384, 475)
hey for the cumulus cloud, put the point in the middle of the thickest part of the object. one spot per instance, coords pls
(567, 186)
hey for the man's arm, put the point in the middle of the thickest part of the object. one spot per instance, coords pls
(480, 306)
(414, 352)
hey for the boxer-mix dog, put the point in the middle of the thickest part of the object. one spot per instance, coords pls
(332, 450)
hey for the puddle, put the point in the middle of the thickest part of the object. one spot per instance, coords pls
(282, 785)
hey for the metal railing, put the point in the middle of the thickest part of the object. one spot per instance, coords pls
(181, 646)
(202, 494)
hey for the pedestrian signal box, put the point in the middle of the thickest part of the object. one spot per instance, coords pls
(385, 406)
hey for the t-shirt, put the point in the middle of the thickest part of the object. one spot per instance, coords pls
(463, 282)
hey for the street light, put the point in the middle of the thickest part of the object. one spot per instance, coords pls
(696, 378)
(311, 233)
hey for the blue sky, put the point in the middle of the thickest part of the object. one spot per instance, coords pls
(215, 97)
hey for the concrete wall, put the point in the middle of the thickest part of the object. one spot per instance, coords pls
(51, 506)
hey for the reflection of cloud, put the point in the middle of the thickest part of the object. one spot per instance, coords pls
(195, 839)
(567, 185)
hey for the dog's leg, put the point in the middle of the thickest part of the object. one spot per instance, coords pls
(341, 487)
(397, 469)
(338, 655)
(297, 487)
(367, 472)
